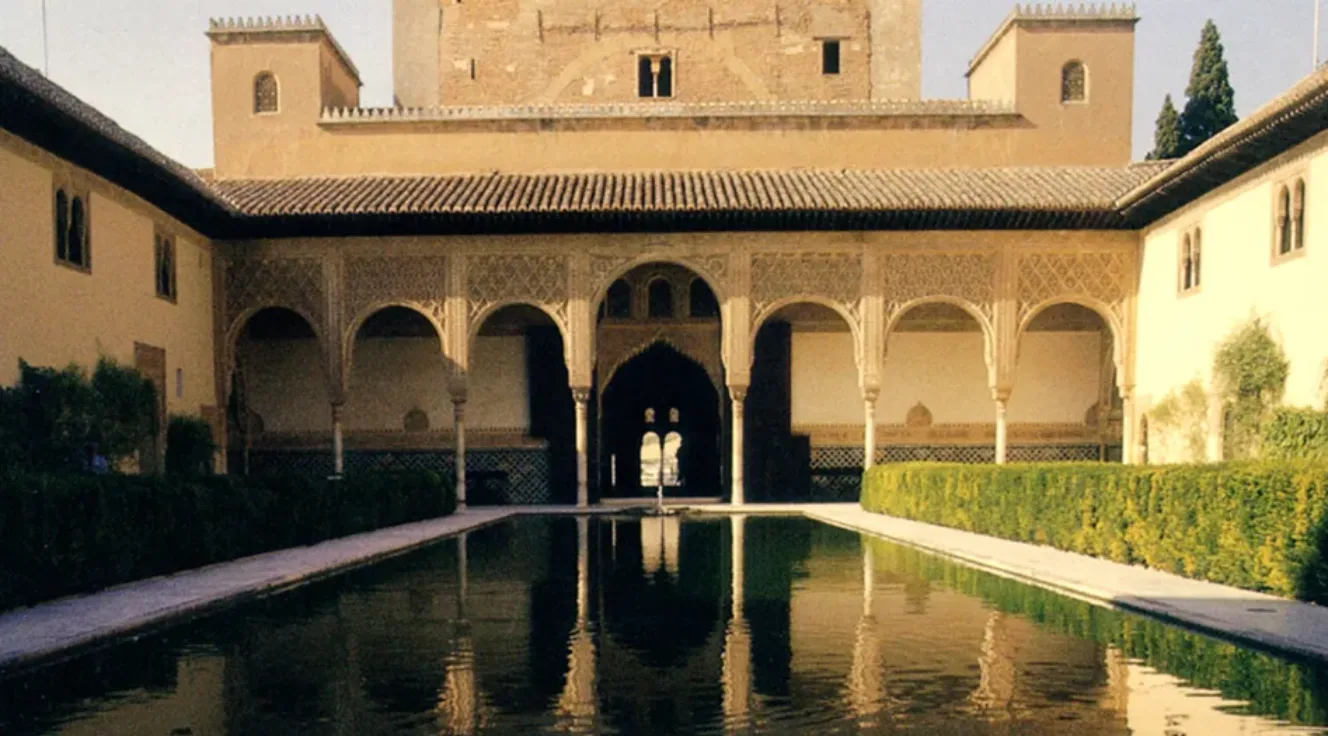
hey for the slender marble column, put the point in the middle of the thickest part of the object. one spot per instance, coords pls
(582, 398)
(338, 456)
(459, 428)
(739, 395)
(869, 429)
(1129, 453)
(1000, 430)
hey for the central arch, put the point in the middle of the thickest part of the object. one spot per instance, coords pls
(658, 393)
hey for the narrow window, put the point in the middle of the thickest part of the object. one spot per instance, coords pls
(1073, 82)
(701, 301)
(1186, 265)
(1298, 213)
(179, 383)
(61, 225)
(661, 299)
(165, 267)
(619, 300)
(830, 56)
(472, 69)
(265, 93)
(1284, 221)
(1195, 271)
(664, 80)
(78, 234)
(645, 77)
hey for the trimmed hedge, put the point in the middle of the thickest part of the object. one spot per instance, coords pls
(1255, 525)
(1292, 433)
(66, 534)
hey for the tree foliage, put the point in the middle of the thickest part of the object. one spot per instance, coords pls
(1166, 139)
(1250, 373)
(1211, 106)
(50, 419)
(1184, 413)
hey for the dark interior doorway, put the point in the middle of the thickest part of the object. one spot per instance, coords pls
(655, 394)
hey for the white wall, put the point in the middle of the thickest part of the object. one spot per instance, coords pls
(1057, 379)
(1178, 335)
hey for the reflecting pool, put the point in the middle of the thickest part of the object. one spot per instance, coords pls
(669, 625)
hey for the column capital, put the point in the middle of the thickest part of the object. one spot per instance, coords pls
(871, 393)
(738, 393)
(338, 408)
(1001, 395)
(581, 394)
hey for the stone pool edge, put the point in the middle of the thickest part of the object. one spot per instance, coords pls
(1305, 625)
(57, 630)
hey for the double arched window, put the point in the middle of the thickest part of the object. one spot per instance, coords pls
(267, 97)
(71, 230)
(1074, 82)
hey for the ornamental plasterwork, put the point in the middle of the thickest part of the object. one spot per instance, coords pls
(1102, 276)
(714, 266)
(618, 344)
(517, 278)
(835, 277)
(970, 277)
(296, 283)
(417, 280)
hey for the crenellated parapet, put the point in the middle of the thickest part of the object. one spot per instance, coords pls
(277, 28)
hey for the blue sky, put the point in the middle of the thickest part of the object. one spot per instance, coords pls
(145, 62)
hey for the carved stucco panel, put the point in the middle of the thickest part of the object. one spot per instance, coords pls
(417, 280)
(1102, 276)
(835, 277)
(518, 277)
(620, 343)
(604, 267)
(296, 283)
(909, 277)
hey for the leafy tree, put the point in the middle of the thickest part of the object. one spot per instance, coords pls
(1251, 371)
(1166, 140)
(1211, 106)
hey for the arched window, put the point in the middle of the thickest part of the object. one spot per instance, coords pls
(664, 82)
(651, 461)
(165, 271)
(660, 299)
(1284, 221)
(1074, 82)
(266, 97)
(701, 302)
(78, 233)
(669, 462)
(619, 300)
(1298, 216)
(61, 225)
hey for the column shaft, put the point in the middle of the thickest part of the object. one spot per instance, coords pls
(739, 395)
(1001, 447)
(338, 456)
(582, 398)
(459, 428)
(1129, 453)
(869, 432)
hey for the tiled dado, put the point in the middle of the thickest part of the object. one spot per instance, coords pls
(849, 435)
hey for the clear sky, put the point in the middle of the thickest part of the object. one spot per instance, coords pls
(145, 62)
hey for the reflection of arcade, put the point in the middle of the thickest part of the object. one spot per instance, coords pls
(661, 393)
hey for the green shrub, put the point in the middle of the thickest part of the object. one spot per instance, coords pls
(73, 533)
(1255, 525)
(189, 446)
(1250, 371)
(1295, 434)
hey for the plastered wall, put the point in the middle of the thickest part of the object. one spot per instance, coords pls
(53, 315)
(1058, 378)
(1178, 333)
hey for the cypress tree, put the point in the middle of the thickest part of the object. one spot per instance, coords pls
(1211, 106)
(1166, 141)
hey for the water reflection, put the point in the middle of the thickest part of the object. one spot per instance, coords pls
(635, 626)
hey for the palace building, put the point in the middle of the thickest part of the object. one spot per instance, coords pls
(600, 248)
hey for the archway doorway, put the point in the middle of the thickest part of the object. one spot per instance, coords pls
(661, 424)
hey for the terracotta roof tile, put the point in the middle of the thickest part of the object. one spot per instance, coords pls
(1006, 189)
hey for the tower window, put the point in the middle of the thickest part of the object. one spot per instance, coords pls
(654, 75)
(660, 299)
(266, 97)
(830, 56)
(1074, 82)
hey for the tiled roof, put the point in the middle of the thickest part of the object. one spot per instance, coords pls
(1008, 189)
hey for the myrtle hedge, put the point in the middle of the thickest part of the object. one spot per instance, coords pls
(64, 534)
(1255, 525)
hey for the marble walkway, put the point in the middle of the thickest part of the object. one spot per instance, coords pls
(68, 626)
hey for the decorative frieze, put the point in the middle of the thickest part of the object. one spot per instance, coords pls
(292, 283)
(375, 281)
(966, 277)
(1101, 277)
(518, 278)
(835, 277)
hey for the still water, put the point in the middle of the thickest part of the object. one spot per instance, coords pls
(639, 626)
